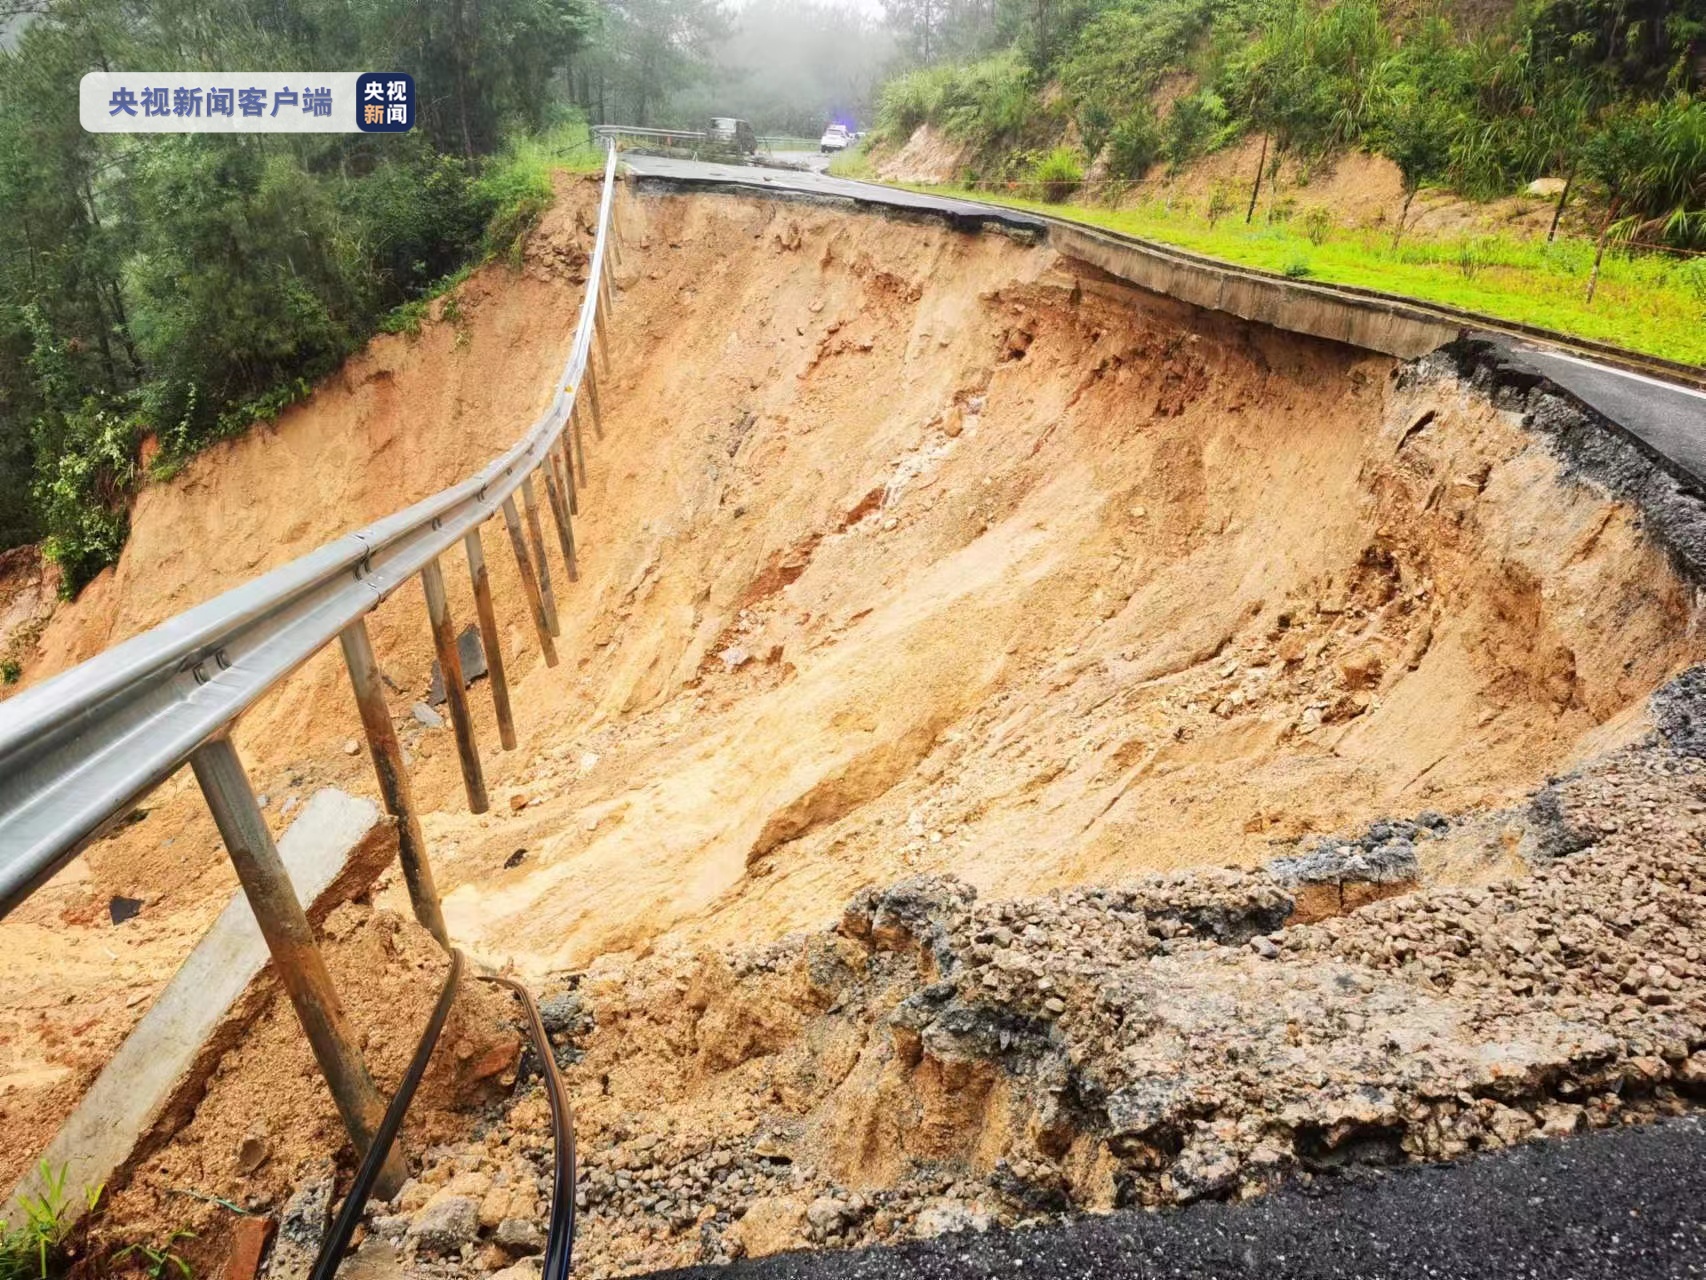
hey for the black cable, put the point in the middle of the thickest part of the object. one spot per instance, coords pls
(560, 1242)
(332, 1250)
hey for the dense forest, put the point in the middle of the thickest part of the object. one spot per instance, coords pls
(186, 285)
(1602, 94)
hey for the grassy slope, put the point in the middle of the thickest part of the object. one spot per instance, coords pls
(1647, 303)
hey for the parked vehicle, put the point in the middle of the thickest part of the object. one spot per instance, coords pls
(727, 131)
(835, 138)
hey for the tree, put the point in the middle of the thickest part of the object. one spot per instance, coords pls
(650, 50)
(186, 285)
(1651, 161)
(1415, 107)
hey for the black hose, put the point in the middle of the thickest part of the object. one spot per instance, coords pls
(332, 1250)
(560, 1242)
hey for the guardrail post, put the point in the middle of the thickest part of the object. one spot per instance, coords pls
(529, 583)
(393, 777)
(597, 410)
(601, 322)
(560, 515)
(296, 956)
(495, 674)
(580, 443)
(537, 535)
(455, 694)
(566, 460)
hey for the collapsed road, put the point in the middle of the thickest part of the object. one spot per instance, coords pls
(1023, 746)
(1621, 1204)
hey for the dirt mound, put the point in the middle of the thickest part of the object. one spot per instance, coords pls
(942, 1062)
(929, 155)
(29, 590)
(1355, 188)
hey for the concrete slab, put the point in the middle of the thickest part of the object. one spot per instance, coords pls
(333, 851)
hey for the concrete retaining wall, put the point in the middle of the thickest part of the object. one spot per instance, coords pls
(1373, 324)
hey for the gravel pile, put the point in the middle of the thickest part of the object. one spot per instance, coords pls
(937, 1062)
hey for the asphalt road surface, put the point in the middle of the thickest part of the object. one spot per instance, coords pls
(812, 183)
(1669, 418)
(1620, 1205)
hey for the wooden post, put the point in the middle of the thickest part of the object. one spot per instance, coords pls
(495, 674)
(387, 755)
(580, 444)
(455, 694)
(560, 515)
(536, 537)
(566, 460)
(597, 410)
(529, 583)
(296, 956)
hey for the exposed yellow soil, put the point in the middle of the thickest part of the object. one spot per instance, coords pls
(903, 550)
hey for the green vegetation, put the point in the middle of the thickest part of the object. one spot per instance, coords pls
(187, 286)
(1646, 302)
(158, 1262)
(43, 1247)
(1058, 174)
(855, 162)
(1602, 95)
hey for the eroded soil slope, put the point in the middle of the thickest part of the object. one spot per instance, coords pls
(917, 552)
(903, 552)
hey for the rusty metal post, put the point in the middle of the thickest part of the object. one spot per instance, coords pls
(529, 583)
(560, 515)
(536, 536)
(597, 409)
(580, 443)
(393, 777)
(455, 693)
(296, 956)
(495, 675)
(600, 323)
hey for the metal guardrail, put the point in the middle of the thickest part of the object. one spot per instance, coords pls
(612, 132)
(685, 139)
(79, 751)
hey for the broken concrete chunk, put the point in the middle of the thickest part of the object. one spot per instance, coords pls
(444, 1226)
(302, 1227)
